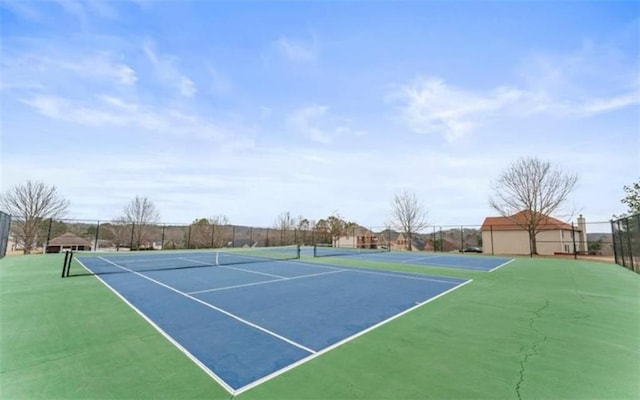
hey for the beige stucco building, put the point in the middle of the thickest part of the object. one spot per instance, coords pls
(505, 235)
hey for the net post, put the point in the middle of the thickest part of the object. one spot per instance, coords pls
(298, 251)
(315, 250)
(69, 263)
(64, 264)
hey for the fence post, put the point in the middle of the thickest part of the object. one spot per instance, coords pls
(433, 239)
(133, 227)
(95, 247)
(615, 242)
(44, 248)
(637, 252)
(461, 238)
(624, 263)
(233, 236)
(573, 238)
(630, 245)
(162, 238)
(189, 237)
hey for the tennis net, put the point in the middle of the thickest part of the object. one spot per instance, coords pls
(172, 260)
(326, 250)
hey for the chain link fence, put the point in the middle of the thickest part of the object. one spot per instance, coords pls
(580, 239)
(626, 242)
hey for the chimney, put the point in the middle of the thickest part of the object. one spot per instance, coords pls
(582, 235)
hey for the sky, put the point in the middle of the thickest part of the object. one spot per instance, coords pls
(252, 109)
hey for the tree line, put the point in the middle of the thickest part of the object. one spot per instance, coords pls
(530, 187)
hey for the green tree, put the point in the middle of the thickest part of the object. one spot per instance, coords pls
(200, 234)
(321, 232)
(632, 199)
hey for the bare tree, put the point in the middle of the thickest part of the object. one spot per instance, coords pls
(141, 212)
(285, 222)
(118, 231)
(408, 215)
(218, 224)
(529, 191)
(286, 225)
(32, 203)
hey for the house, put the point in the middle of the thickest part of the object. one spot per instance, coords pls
(68, 241)
(360, 238)
(506, 235)
(400, 242)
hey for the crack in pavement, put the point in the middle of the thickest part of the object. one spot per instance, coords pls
(534, 348)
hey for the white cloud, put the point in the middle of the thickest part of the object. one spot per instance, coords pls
(220, 84)
(187, 87)
(297, 50)
(304, 121)
(603, 105)
(110, 111)
(430, 106)
(45, 68)
(316, 123)
(23, 9)
(167, 72)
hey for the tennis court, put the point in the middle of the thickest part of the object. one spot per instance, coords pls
(247, 316)
(472, 262)
(539, 328)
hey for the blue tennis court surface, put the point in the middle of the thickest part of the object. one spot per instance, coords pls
(480, 263)
(246, 323)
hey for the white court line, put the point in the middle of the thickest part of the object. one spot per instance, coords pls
(456, 266)
(502, 265)
(340, 343)
(398, 275)
(204, 303)
(266, 282)
(163, 333)
(418, 258)
(313, 354)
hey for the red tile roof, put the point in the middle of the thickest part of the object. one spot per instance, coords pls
(511, 223)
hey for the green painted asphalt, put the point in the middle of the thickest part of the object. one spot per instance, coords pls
(534, 329)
